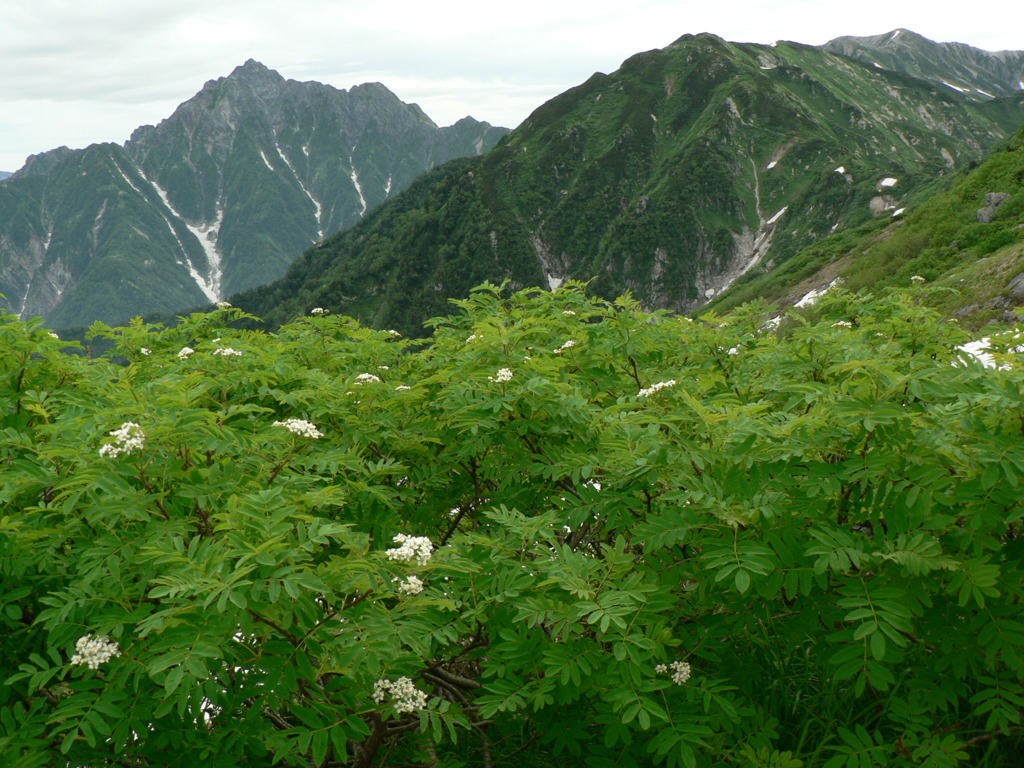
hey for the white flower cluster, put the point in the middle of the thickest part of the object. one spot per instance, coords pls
(405, 696)
(227, 352)
(411, 548)
(186, 352)
(319, 311)
(223, 304)
(402, 387)
(146, 351)
(392, 332)
(680, 671)
(54, 335)
(568, 345)
(842, 324)
(412, 585)
(128, 438)
(917, 279)
(568, 312)
(300, 427)
(471, 338)
(648, 391)
(501, 376)
(91, 651)
(367, 378)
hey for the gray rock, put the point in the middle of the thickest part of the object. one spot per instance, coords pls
(999, 302)
(992, 202)
(1016, 286)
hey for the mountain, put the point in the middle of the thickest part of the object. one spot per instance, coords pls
(4, 175)
(671, 178)
(966, 241)
(219, 197)
(977, 74)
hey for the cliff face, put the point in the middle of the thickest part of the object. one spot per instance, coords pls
(219, 197)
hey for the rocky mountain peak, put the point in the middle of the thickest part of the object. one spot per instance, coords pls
(256, 76)
(220, 196)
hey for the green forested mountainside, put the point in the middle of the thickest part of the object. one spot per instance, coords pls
(559, 532)
(968, 239)
(976, 73)
(221, 196)
(669, 178)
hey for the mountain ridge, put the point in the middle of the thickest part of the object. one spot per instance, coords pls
(670, 178)
(221, 195)
(975, 73)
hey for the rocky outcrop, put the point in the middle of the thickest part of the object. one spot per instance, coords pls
(992, 202)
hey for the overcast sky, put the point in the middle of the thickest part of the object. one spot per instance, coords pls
(74, 72)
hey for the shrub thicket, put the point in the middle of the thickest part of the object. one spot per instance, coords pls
(559, 530)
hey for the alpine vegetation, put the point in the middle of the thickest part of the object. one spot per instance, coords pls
(805, 553)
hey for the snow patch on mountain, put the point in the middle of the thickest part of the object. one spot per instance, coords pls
(24, 300)
(750, 247)
(206, 235)
(316, 203)
(358, 186)
(812, 296)
(980, 350)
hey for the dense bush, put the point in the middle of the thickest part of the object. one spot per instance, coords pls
(559, 530)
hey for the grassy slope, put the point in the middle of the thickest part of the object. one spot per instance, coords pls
(940, 239)
(643, 180)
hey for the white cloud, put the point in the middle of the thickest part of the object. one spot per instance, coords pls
(77, 73)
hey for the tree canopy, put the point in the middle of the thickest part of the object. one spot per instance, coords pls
(559, 530)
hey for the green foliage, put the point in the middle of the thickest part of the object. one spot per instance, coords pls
(939, 238)
(818, 523)
(657, 179)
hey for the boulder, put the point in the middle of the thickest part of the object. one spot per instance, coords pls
(992, 202)
(1016, 286)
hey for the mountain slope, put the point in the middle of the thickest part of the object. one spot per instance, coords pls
(671, 178)
(975, 73)
(968, 239)
(219, 197)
